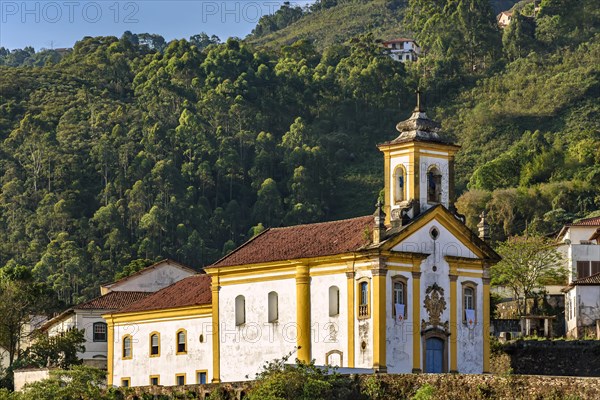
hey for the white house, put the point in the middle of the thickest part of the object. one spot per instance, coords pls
(581, 247)
(504, 18)
(403, 49)
(116, 295)
(403, 290)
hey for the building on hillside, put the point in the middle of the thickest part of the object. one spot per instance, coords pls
(165, 339)
(403, 49)
(581, 247)
(504, 18)
(403, 290)
(116, 295)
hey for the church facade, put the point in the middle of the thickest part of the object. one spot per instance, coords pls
(403, 290)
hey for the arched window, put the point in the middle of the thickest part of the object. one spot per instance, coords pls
(363, 299)
(334, 301)
(99, 329)
(240, 310)
(399, 296)
(155, 344)
(181, 341)
(399, 184)
(434, 185)
(127, 350)
(273, 306)
(469, 301)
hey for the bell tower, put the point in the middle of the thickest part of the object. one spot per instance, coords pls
(418, 167)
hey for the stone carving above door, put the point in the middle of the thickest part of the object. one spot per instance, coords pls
(435, 304)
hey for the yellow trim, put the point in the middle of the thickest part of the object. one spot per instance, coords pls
(196, 375)
(473, 286)
(180, 375)
(153, 315)
(303, 312)
(216, 339)
(268, 268)
(486, 327)
(367, 313)
(445, 219)
(341, 270)
(453, 324)
(386, 191)
(379, 320)
(123, 357)
(177, 352)
(110, 351)
(416, 305)
(399, 268)
(152, 377)
(150, 344)
(351, 317)
(257, 279)
(126, 378)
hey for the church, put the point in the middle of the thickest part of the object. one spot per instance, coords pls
(404, 290)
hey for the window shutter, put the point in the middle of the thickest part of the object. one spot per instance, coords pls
(583, 268)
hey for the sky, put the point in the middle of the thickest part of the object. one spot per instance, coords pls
(60, 23)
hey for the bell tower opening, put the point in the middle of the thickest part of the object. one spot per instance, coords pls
(419, 168)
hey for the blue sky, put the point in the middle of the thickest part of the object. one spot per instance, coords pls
(60, 23)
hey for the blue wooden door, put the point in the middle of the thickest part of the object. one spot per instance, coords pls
(434, 355)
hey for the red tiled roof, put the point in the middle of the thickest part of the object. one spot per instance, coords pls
(191, 291)
(112, 301)
(588, 280)
(595, 221)
(302, 241)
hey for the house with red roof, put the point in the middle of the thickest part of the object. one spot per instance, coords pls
(402, 49)
(580, 244)
(403, 290)
(114, 296)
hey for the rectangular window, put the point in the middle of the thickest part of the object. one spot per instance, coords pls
(154, 345)
(154, 380)
(180, 379)
(595, 267)
(99, 332)
(583, 269)
(125, 382)
(399, 299)
(201, 377)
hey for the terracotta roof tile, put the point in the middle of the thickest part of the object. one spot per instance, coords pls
(588, 280)
(302, 241)
(191, 291)
(595, 221)
(112, 301)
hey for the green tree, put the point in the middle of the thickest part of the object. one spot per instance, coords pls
(53, 351)
(528, 263)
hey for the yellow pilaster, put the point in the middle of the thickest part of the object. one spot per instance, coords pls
(416, 301)
(486, 323)
(453, 319)
(303, 312)
(379, 319)
(216, 339)
(387, 188)
(351, 318)
(110, 326)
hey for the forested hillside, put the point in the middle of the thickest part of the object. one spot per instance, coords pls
(122, 151)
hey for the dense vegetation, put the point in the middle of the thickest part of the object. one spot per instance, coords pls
(127, 149)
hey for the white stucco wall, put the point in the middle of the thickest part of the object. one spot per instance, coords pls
(399, 350)
(328, 333)
(25, 376)
(246, 348)
(151, 280)
(168, 364)
(395, 161)
(470, 340)
(84, 319)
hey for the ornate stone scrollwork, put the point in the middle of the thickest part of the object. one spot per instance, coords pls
(435, 304)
